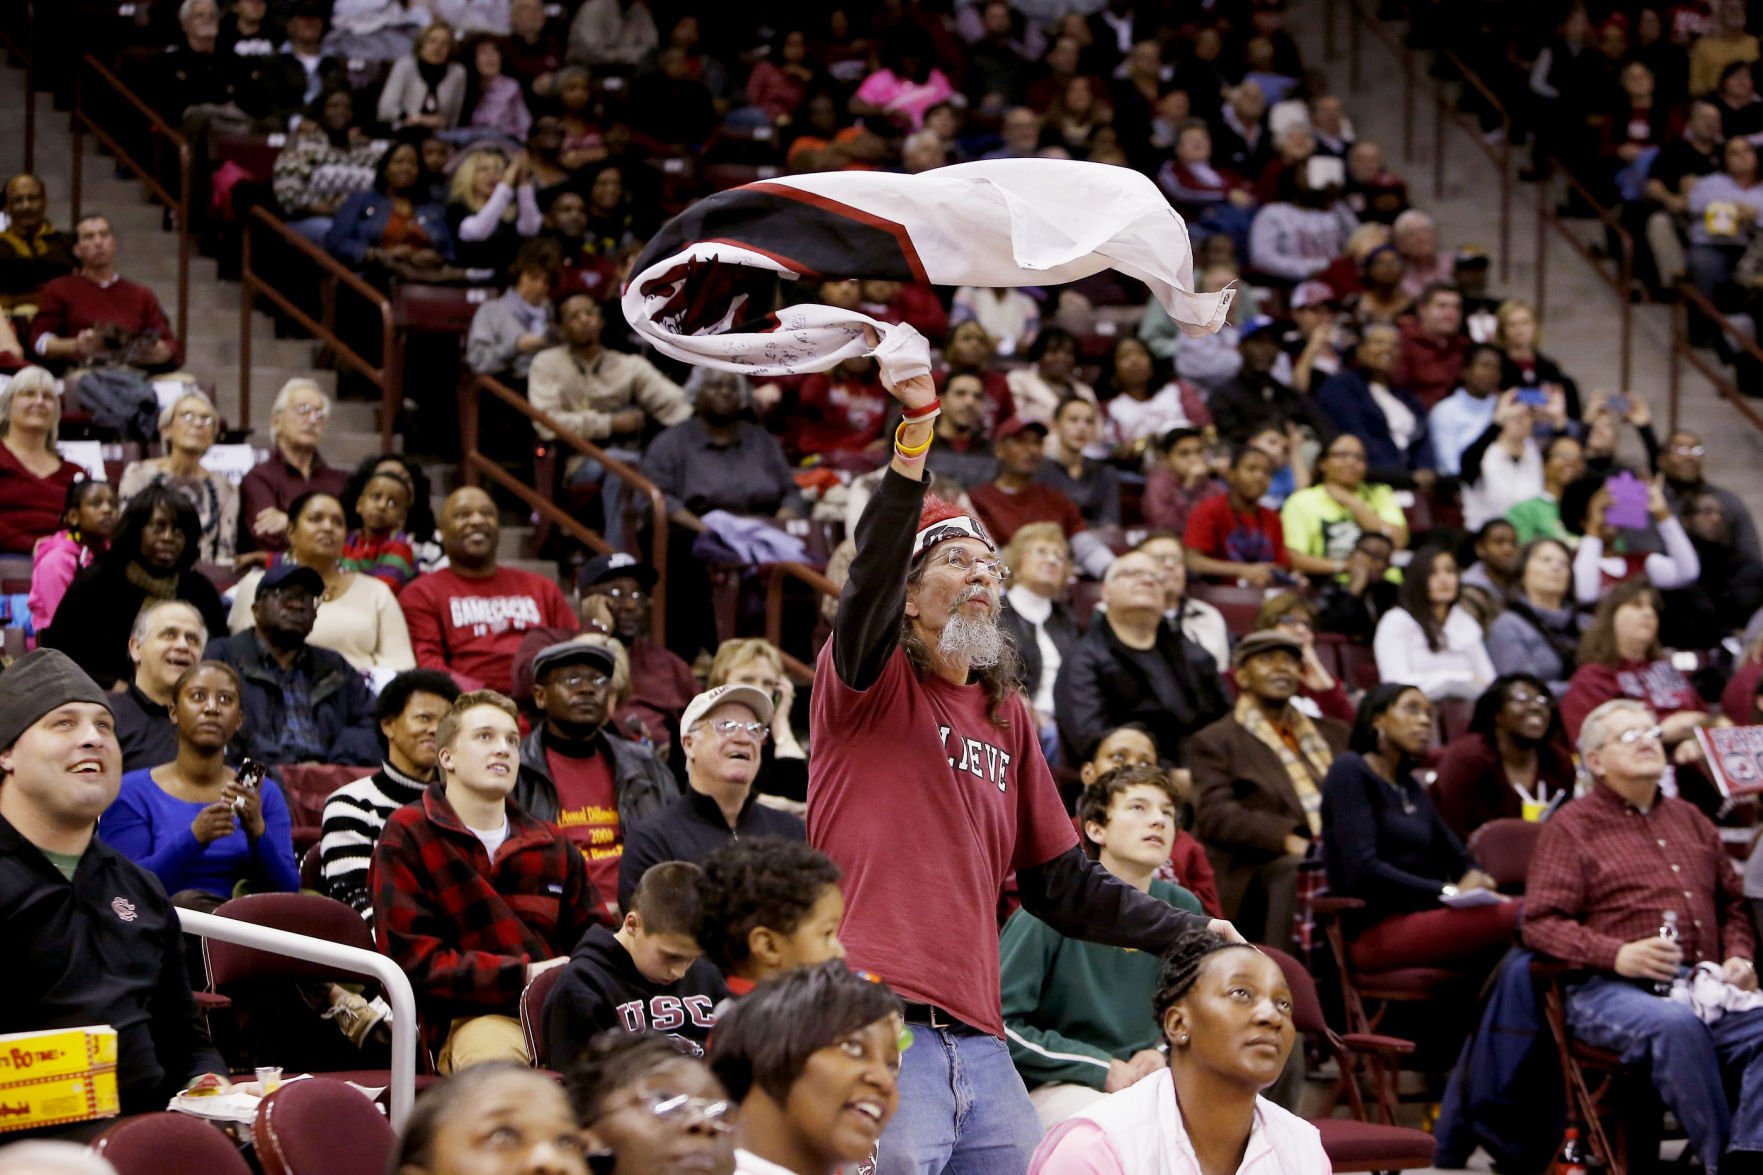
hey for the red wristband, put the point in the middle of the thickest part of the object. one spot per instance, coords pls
(920, 413)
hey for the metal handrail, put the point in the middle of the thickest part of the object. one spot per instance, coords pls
(84, 123)
(387, 376)
(354, 960)
(19, 48)
(474, 463)
(1689, 298)
(1501, 158)
(774, 600)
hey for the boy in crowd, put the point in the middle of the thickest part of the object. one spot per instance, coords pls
(473, 897)
(1132, 746)
(1232, 536)
(1077, 1014)
(769, 904)
(649, 974)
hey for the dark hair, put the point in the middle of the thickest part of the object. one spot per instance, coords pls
(125, 545)
(1240, 453)
(1376, 702)
(1171, 439)
(420, 523)
(1732, 68)
(1493, 700)
(189, 675)
(1181, 966)
(615, 1060)
(397, 693)
(1576, 500)
(1099, 796)
(1375, 536)
(1475, 350)
(1465, 550)
(1107, 380)
(416, 1146)
(765, 1040)
(1414, 595)
(1432, 290)
(666, 898)
(298, 506)
(1136, 727)
(1598, 645)
(758, 881)
(540, 255)
(77, 493)
(1045, 341)
(423, 178)
(1068, 401)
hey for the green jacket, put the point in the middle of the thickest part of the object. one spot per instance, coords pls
(1070, 1006)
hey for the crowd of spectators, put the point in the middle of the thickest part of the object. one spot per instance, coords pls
(1302, 604)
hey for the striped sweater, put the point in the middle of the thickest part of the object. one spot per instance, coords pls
(354, 817)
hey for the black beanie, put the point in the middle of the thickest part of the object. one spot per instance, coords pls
(37, 683)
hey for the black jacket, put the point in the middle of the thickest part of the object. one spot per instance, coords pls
(688, 829)
(93, 620)
(602, 989)
(144, 728)
(1061, 626)
(1102, 685)
(641, 782)
(105, 949)
(342, 707)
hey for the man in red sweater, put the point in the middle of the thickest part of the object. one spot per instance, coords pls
(469, 617)
(1433, 344)
(76, 312)
(1016, 498)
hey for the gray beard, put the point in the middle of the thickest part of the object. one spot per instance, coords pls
(979, 642)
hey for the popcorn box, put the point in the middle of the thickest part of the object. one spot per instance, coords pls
(56, 1076)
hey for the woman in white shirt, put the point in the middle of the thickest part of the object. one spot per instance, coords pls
(1430, 640)
(1039, 560)
(813, 1056)
(1226, 1013)
(1602, 560)
(358, 616)
(1139, 411)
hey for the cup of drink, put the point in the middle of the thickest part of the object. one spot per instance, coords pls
(269, 1078)
(1533, 811)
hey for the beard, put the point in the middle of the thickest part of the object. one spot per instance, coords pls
(980, 642)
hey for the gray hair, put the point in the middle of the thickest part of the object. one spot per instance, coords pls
(170, 412)
(24, 379)
(50, 1157)
(702, 377)
(1412, 218)
(144, 619)
(187, 9)
(282, 398)
(1592, 733)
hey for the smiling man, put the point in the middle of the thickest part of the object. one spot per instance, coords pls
(472, 896)
(410, 711)
(167, 639)
(723, 732)
(468, 618)
(579, 775)
(917, 710)
(91, 937)
(1077, 1015)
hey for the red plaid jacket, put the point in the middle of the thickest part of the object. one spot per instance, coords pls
(464, 928)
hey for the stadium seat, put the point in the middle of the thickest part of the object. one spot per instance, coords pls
(163, 1143)
(1611, 1102)
(312, 868)
(1239, 605)
(321, 1126)
(1504, 848)
(307, 786)
(1452, 715)
(532, 1015)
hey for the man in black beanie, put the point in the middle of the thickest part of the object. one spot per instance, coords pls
(91, 938)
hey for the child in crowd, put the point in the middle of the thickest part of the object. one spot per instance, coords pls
(769, 904)
(1231, 536)
(1180, 481)
(648, 974)
(90, 516)
(1132, 745)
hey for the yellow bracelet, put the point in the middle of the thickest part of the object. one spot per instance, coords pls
(911, 451)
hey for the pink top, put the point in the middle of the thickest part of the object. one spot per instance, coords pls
(54, 564)
(903, 97)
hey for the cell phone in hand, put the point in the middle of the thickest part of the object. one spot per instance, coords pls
(1533, 397)
(250, 778)
(1620, 405)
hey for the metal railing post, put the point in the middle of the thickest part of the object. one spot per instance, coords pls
(399, 993)
(1674, 376)
(247, 300)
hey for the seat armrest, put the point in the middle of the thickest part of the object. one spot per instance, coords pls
(212, 1001)
(1372, 1042)
(1334, 904)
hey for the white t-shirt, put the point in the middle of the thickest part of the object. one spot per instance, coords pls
(1036, 609)
(1132, 419)
(492, 840)
(1398, 415)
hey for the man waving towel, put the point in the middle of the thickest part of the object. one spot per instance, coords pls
(704, 290)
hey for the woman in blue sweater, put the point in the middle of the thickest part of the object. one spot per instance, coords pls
(1385, 843)
(191, 822)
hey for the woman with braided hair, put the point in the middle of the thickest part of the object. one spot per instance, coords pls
(1226, 1014)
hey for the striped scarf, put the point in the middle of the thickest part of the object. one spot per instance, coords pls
(1306, 773)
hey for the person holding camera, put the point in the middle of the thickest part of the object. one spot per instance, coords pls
(95, 315)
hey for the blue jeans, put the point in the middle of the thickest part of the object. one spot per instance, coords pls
(963, 1110)
(1686, 1058)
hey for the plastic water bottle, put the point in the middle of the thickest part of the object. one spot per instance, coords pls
(1572, 1160)
(1668, 932)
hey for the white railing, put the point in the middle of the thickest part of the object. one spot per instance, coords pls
(352, 959)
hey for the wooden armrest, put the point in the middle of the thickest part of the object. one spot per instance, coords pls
(212, 1001)
(1334, 904)
(1554, 970)
(1372, 1042)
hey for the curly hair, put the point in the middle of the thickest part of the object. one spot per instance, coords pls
(758, 881)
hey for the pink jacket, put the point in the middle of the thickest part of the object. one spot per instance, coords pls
(55, 562)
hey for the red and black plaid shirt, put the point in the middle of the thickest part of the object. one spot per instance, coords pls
(464, 928)
(1605, 873)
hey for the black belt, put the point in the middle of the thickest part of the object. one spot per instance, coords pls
(935, 1017)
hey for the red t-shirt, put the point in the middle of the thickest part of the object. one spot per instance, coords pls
(1657, 683)
(471, 627)
(1216, 530)
(1006, 513)
(839, 417)
(587, 812)
(927, 806)
(30, 506)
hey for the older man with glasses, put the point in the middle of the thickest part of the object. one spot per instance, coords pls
(296, 422)
(1612, 870)
(722, 733)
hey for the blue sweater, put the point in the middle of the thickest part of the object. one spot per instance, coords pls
(151, 827)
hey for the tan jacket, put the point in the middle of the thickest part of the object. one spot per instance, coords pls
(583, 396)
